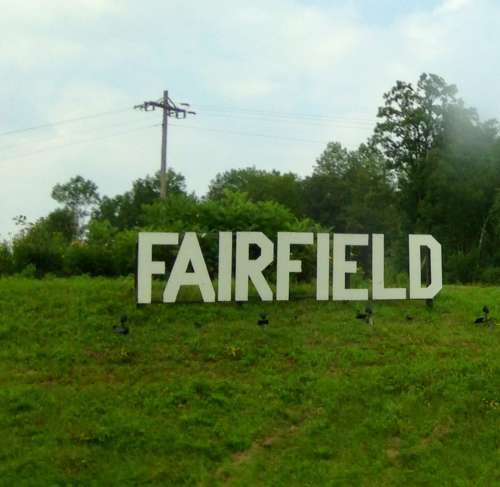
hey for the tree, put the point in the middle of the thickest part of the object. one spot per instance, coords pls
(351, 191)
(370, 197)
(78, 195)
(412, 124)
(460, 206)
(125, 210)
(41, 245)
(324, 191)
(63, 222)
(260, 185)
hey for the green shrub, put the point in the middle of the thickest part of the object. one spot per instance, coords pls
(108, 251)
(6, 259)
(41, 248)
(490, 275)
(461, 267)
(233, 212)
(84, 258)
(29, 272)
(105, 252)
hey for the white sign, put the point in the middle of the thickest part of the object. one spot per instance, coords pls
(251, 269)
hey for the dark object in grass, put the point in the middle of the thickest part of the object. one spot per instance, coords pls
(263, 320)
(363, 316)
(486, 320)
(197, 324)
(121, 330)
(367, 315)
(483, 319)
(409, 318)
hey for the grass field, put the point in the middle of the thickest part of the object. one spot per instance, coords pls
(200, 395)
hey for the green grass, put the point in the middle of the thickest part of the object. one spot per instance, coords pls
(317, 398)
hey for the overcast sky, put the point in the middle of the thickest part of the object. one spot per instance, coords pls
(272, 82)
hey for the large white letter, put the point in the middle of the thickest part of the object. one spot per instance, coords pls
(322, 266)
(225, 266)
(146, 267)
(284, 264)
(415, 242)
(379, 291)
(341, 267)
(190, 251)
(252, 269)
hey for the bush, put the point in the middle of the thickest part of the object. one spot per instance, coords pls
(6, 259)
(490, 275)
(233, 212)
(106, 252)
(41, 248)
(84, 258)
(461, 267)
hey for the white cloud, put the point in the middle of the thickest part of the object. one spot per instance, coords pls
(449, 6)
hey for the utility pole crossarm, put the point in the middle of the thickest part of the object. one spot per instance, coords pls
(170, 109)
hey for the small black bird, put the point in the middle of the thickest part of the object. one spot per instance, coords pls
(122, 330)
(367, 315)
(363, 316)
(263, 320)
(485, 318)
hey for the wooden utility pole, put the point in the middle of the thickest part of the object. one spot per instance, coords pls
(164, 133)
(170, 109)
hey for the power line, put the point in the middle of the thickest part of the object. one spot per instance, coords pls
(252, 134)
(243, 116)
(218, 108)
(4, 148)
(215, 110)
(234, 112)
(193, 127)
(85, 141)
(294, 120)
(61, 122)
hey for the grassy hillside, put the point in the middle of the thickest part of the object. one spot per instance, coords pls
(201, 395)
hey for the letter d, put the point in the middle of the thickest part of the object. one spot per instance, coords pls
(416, 289)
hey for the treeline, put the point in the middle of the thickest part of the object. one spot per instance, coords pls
(431, 166)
